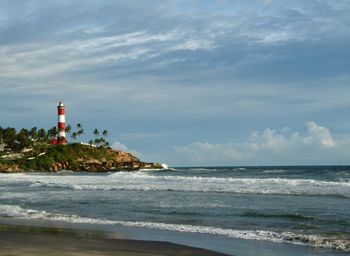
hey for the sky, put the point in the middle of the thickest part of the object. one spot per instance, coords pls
(187, 83)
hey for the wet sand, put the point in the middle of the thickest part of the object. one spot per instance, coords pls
(26, 241)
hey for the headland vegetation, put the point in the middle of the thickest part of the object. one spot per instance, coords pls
(31, 150)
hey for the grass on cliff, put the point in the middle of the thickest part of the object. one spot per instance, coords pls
(61, 153)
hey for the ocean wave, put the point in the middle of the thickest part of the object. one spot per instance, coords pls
(216, 170)
(275, 171)
(329, 242)
(201, 169)
(148, 181)
(291, 216)
(297, 217)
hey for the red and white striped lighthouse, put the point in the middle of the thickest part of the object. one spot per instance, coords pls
(61, 138)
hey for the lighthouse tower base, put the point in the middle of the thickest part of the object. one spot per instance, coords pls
(58, 141)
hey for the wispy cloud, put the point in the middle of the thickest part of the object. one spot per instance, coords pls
(205, 71)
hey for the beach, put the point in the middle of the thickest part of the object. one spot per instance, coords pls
(242, 211)
(35, 241)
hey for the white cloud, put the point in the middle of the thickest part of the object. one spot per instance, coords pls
(120, 146)
(320, 135)
(194, 45)
(315, 146)
(267, 139)
(49, 60)
(152, 157)
(40, 60)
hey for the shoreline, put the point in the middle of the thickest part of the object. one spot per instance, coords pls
(34, 240)
(110, 241)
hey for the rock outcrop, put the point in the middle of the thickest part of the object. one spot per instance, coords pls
(9, 168)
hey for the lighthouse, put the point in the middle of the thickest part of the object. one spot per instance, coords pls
(61, 138)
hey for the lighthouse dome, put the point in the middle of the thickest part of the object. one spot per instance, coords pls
(61, 104)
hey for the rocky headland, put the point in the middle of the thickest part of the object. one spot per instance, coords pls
(76, 157)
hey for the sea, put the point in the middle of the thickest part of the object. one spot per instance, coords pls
(298, 210)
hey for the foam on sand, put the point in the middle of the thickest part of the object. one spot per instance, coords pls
(329, 242)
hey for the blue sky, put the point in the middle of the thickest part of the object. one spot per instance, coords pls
(223, 82)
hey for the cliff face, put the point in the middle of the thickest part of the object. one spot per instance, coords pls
(116, 160)
(75, 157)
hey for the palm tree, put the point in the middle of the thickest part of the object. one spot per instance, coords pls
(80, 131)
(23, 140)
(74, 135)
(9, 136)
(69, 129)
(52, 133)
(96, 132)
(105, 133)
(33, 133)
(100, 142)
(42, 135)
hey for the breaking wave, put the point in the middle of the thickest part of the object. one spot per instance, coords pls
(275, 171)
(265, 235)
(143, 181)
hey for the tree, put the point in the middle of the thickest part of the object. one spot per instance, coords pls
(74, 135)
(22, 139)
(41, 134)
(97, 141)
(9, 136)
(96, 132)
(80, 130)
(1, 134)
(52, 133)
(33, 133)
(105, 133)
(69, 129)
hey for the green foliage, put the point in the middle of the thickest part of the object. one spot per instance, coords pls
(69, 129)
(96, 132)
(8, 136)
(22, 140)
(42, 135)
(52, 132)
(38, 142)
(62, 153)
(74, 136)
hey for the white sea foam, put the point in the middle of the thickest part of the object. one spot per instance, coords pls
(275, 171)
(144, 181)
(265, 235)
(201, 169)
